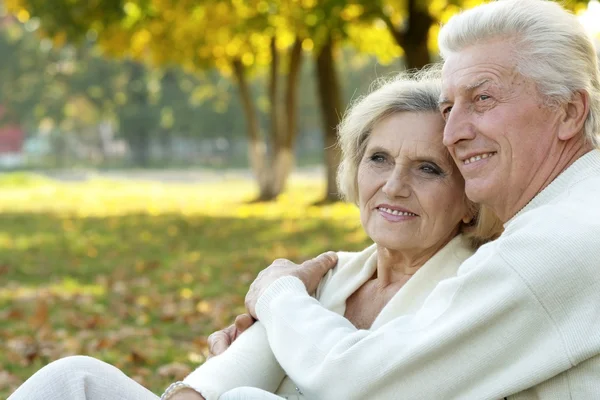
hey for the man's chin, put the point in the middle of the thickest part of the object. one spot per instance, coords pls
(480, 193)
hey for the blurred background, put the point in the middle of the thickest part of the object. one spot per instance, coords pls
(156, 154)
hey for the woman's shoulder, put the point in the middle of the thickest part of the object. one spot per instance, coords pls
(346, 258)
(350, 267)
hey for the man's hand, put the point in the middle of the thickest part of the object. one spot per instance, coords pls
(219, 341)
(309, 272)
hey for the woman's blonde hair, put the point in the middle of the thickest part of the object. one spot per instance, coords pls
(412, 91)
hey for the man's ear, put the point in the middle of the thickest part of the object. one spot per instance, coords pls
(575, 114)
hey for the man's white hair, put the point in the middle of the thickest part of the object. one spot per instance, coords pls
(551, 48)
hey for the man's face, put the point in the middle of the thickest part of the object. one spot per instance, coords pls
(498, 129)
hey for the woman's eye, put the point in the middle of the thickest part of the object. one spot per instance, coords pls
(483, 97)
(378, 158)
(446, 112)
(430, 169)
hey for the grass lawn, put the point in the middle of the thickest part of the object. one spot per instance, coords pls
(138, 273)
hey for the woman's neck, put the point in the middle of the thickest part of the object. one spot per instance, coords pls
(395, 266)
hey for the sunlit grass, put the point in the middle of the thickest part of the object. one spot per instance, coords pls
(138, 273)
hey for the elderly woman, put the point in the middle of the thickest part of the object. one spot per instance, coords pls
(412, 205)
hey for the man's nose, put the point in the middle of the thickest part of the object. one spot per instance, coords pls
(457, 128)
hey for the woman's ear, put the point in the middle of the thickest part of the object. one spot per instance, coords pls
(471, 214)
(575, 114)
(467, 219)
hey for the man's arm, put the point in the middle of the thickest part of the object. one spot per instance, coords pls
(249, 361)
(483, 334)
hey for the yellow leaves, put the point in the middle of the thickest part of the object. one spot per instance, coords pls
(133, 12)
(248, 59)
(195, 358)
(59, 39)
(142, 301)
(204, 307)
(285, 39)
(448, 12)
(262, 7)
(351, 12)
(187, 278)
(23, 15)
(233, 47)
(186, 293)
(375, 39)
(14, 6)
(437, 7)
(309, 3)
(140, 42)
(311, 19)
(92, 252)
(193, 256)
(308, 45)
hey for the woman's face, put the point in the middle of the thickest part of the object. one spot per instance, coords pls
(410, 193)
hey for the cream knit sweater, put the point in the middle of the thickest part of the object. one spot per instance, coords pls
(250, 361)
(521, 318)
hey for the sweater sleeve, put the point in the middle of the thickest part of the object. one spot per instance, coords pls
(484, 334)
(249, 361)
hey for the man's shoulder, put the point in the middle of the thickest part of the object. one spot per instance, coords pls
(574, 212)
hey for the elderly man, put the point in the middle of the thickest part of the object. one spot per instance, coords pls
(521, 97)
(521, 320)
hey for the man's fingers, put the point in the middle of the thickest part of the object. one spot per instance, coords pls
(243, 322)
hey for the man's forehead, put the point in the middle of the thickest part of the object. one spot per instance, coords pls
(467, 84)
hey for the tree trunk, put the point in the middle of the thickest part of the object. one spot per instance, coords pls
(257, 151)
(284, 158)
(272, 170)
(414, 39)
(331, 108)
(136, 122)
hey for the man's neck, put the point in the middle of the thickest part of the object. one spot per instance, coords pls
(554, 165)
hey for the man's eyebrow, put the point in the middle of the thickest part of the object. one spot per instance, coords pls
(467, 88)
(475, 85)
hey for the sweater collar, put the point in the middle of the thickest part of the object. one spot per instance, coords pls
(586, 166)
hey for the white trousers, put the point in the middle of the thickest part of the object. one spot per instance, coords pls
(81, 378)
(86, 378)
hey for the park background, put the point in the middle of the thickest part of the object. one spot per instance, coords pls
(156, 154)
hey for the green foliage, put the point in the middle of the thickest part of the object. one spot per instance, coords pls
(138, 274)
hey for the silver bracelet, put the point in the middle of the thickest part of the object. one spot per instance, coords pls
(174, 388)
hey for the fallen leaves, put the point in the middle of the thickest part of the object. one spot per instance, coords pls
(142, 290)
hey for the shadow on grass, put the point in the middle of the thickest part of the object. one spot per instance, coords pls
(139, 291)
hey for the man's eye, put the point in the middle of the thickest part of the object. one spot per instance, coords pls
(483, 97)
(446, 111)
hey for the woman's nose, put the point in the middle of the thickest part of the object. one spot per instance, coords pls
(397, 184)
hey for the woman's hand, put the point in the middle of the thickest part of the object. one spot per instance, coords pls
(187, 394)
(219, 341)
(309, 272)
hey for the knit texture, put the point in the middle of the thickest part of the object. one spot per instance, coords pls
(250, 362)
(520, 319)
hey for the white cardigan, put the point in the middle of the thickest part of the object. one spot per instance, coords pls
(520, 319)
(250, 361)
